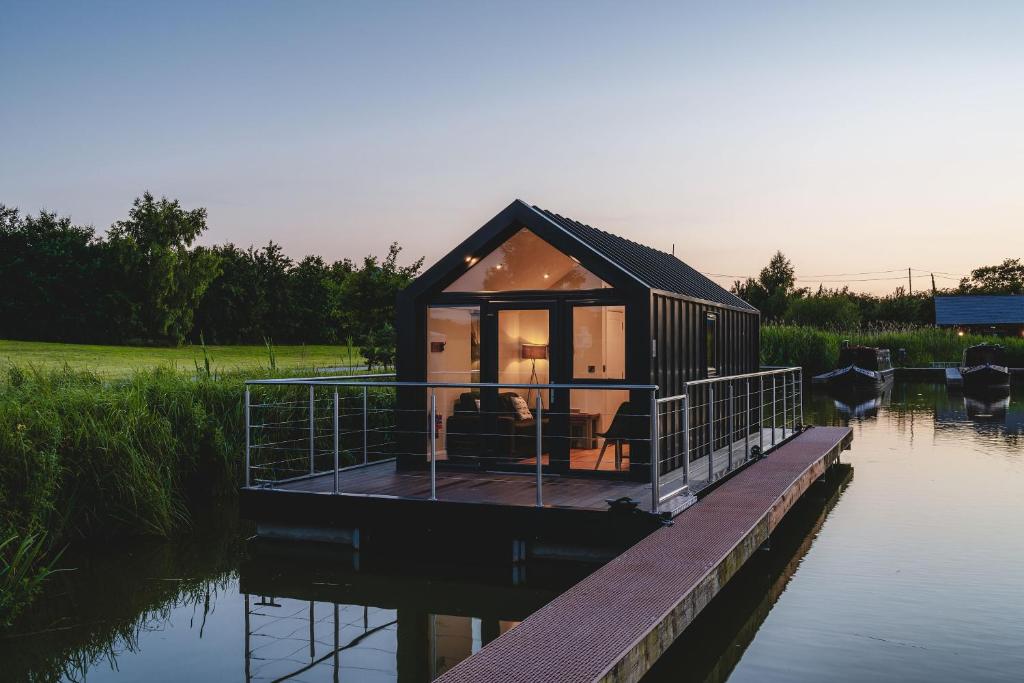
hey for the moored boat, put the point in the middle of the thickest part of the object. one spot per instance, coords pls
(984, 368)
(861, 369)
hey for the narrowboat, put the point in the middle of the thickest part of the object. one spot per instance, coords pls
(862, 369)
(984, 368)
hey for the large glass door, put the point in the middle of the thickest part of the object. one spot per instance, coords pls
(519, 348)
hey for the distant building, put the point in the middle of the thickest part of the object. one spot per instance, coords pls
(981, 314)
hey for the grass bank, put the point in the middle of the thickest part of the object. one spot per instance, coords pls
(88, 457)
(818, 350)
(121, 361)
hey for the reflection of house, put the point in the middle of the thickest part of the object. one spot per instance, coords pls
(535, 298)
(981, 314)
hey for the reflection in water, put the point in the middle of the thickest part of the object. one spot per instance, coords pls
(311, 615)
(863, 406)
(910, 571)
(717, 639)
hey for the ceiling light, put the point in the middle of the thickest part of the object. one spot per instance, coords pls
(546, 276)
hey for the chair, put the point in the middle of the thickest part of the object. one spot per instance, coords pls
(626, 425)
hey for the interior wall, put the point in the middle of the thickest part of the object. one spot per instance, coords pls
(515, 328)
(458, 329)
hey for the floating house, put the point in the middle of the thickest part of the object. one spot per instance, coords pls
(533, 297)
(555, 383)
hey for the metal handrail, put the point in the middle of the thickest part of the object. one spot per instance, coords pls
(726, 404)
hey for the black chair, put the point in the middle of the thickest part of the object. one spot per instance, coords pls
(628, 424)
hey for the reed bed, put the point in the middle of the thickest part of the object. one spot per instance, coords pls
(817, 350)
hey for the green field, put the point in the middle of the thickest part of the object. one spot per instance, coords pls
(123, 360)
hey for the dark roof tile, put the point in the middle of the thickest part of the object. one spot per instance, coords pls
(654, 268)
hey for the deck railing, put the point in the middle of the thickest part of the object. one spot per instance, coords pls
(720, 424)
(328, 429)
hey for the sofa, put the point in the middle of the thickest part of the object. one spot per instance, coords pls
(514, 436)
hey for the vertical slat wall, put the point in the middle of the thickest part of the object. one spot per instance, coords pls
(678, 328)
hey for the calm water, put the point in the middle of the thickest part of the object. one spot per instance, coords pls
(906, 564)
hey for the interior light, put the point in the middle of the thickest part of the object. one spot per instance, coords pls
(546, 276)
(498, 266)
(468, 259)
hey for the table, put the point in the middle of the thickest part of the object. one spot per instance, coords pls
(582, 427)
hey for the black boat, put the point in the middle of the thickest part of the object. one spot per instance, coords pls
(862, 369)
(984, 368)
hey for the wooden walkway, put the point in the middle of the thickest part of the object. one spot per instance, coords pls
(613, 625)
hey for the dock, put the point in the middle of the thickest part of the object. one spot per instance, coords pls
(616, 623)
(954, 379)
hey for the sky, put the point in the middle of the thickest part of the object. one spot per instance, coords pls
(856, 137)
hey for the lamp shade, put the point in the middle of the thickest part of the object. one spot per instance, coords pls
(535, 351)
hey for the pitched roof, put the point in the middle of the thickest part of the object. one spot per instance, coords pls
(979, 310)
(654, 268)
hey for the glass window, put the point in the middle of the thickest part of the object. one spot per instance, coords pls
(710, 345)
(453, 355)
(599, 342)
(525, 262)
(523, 338)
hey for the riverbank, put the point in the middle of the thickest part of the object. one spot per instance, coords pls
(817, 350)
(122, 361)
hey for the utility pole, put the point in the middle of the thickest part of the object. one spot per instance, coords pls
(934, 291)
(910, 283)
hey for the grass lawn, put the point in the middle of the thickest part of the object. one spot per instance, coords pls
(121, 360)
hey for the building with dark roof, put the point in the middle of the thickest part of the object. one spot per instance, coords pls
(533, 297)
(986, 314)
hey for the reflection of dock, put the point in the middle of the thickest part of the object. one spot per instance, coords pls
(954, 380)
(617, 622)
(314, 614)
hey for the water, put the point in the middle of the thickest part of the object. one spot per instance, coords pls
(906, 564)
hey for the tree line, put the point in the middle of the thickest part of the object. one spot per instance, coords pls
(146, 281)
(775, 294)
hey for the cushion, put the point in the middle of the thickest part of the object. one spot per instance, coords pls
(522, 410)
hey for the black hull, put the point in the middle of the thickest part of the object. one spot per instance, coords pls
(986, 378)
(855, 380)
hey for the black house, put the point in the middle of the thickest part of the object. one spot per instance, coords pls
(533, 297)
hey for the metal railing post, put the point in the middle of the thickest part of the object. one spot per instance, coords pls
(760, 413)
(248, 445)
(686, 438)
(433, 445)
(312, 432)
(540, 451)
(366, 455)
(801, 396)
(785, 401)
(746, 426)
(711, 429)
(337, 439)
(655, 464)
(773, 410)
(729, 426)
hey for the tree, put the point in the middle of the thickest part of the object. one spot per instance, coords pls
(836, 311)
(164, 279)
(365, 300)
(1005, 278)
(771, 291)
(50, 272)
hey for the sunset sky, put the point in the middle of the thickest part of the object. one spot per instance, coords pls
(856, 137)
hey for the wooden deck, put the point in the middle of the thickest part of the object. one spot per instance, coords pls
(501, 488)
(613, 625)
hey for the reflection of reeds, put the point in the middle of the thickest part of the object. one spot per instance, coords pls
(88, 617)
(817, 350)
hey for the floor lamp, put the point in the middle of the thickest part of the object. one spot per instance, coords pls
(533, 352)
